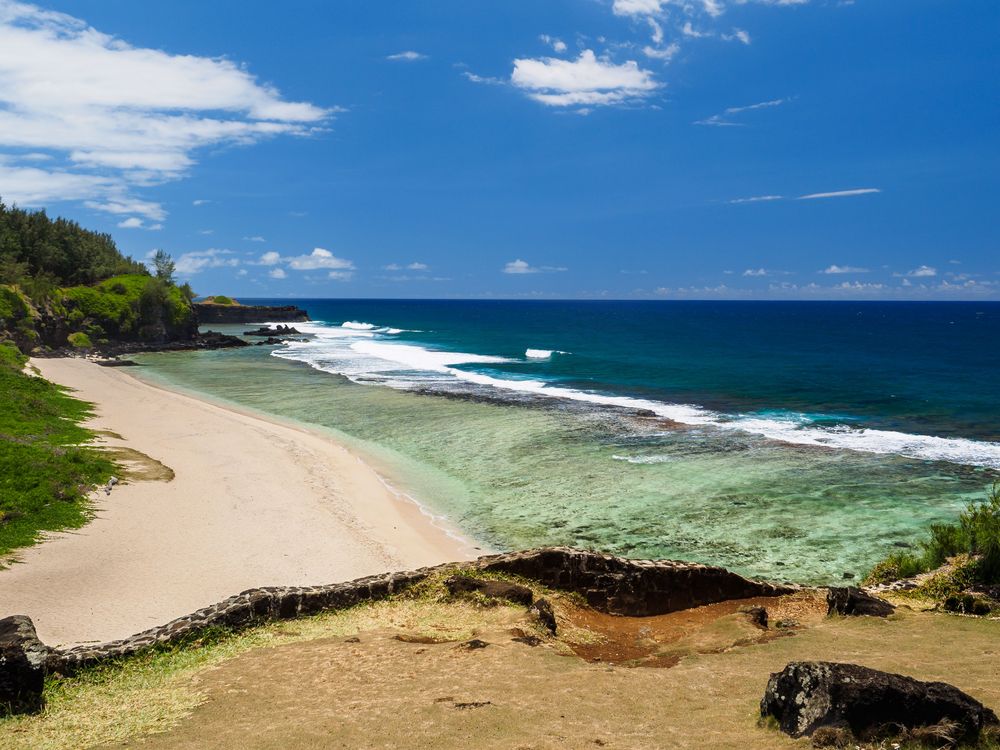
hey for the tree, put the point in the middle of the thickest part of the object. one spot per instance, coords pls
(164, 266)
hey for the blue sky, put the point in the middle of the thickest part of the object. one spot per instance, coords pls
(805, 149)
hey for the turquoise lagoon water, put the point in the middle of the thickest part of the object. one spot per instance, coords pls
(792, 441)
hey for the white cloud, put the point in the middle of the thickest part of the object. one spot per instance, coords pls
(120, 117)
(833, 269)
(739, 35)
(712, 7)
(586, 81)
(277, 273)
(839, 194)
(255, 238)
(756, 272)
(554, 42)
(319, 258)
(270, 258)
(407, 56)
(134, 222)
(242, 272)
(638, 7)
(521, 266)
(340, 275)
(415, 266)
(688, 30)
(662, 53)
(922, 272)
(200, 202)
(757, 199)
(191, 263)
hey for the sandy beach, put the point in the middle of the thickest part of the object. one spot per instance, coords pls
(252, 503)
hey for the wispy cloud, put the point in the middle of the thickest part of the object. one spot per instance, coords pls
(724, 118)
(922, 272)
(521, 266)
(558, 45)
(407, 56)
(255, 238)
(835, 269)
(318, 258)
(839, 194)
(757, 199)
(197, 261)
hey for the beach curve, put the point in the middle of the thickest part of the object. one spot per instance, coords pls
(253, 503)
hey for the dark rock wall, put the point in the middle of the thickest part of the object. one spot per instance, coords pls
(209, 314)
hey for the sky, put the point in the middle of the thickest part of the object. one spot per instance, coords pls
(661, 149)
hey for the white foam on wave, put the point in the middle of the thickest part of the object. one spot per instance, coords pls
(361, 355)
(356, 326)
(541, 353)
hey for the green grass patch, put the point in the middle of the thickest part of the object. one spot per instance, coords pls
(79, 340)
(46, 468)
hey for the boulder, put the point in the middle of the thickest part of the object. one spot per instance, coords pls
(851, 600)
(22, 666)
(807, 696)
(511, 592)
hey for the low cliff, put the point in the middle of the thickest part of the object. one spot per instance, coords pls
(209, 314)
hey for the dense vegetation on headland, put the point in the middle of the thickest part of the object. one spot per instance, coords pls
(46, 468)
(64, 286)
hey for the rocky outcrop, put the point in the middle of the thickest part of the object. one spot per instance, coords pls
(630, 587)
(276, 331)
(215, 314)
(853, 601)
(807, 696)
(610, 584)
(23, 660)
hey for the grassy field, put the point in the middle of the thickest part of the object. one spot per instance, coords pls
(46, 468)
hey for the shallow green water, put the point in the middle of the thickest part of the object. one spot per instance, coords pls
(516, 476)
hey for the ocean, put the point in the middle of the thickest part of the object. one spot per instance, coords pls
(794, 441)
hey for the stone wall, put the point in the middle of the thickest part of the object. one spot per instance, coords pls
(612, 584)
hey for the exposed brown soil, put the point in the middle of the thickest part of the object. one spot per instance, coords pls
(380, 691)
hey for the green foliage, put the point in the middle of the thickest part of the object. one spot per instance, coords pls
(221, 299)
(129, 307)
(976, 534)
(13, 305)
(55, 252)
(46, 469)
(80, 340)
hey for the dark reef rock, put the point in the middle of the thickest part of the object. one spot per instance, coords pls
(511, 592)
(22, 666)
(201, 342)
(853, 601)
(277, 330)
(807, 696)
(237, 314)
(542, 611)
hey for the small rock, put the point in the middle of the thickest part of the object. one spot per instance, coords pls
(756, 615)
(527, 640)
(853, 601)
(542, 611)
(473, 645)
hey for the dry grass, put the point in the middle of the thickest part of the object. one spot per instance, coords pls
(347, 680)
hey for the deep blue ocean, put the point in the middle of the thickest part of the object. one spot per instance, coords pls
(796, 440)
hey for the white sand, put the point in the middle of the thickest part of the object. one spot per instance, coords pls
(253, 503)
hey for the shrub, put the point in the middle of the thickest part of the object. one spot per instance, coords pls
(79, 340)
(221, 299)
(975, 534)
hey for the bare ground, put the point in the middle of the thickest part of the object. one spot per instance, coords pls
(688, 680)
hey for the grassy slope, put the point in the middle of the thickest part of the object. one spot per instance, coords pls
(45, 468)
(308, 683)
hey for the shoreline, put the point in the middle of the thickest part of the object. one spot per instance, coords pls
(254, 502)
